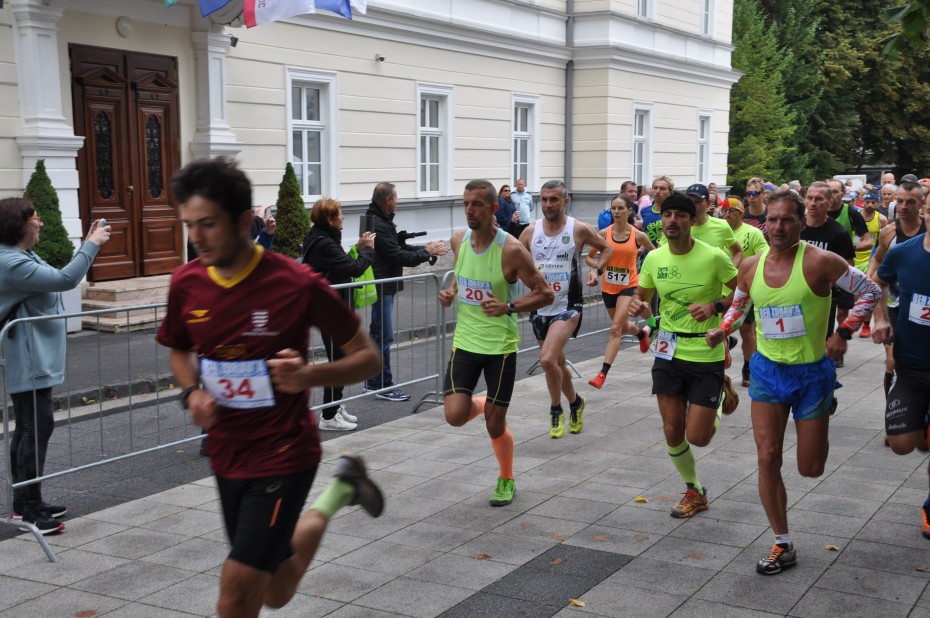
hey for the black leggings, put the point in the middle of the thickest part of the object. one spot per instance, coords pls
(34, 426)
(331, 393)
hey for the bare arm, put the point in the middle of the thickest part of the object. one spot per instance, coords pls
(200, 404)
(884, 239)
(589, 258)
(736, 251)
(883, 331)
(585, 235)
(447, 295)
(540, 292)
(642, 240)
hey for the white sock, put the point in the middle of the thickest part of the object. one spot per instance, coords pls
(783, 539)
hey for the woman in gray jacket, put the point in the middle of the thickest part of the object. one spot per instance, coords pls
(35, 352)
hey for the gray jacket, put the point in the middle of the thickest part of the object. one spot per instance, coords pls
(35, 352)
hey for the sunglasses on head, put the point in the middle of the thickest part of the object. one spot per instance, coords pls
(753, 193)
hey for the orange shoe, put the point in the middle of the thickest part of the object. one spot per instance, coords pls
(866, 332)
(598, 380)
(925, 530)
(731, 400)
(645, 342)
(691, 504)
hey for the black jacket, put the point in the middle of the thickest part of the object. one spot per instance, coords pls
(323, 252)
(391, 256)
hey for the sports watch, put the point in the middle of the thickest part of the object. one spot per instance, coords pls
(511, 309)
(185, 395)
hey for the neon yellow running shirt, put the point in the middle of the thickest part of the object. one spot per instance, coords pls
(683, 280)
(477, 274)
(751, 239)
(791, 321)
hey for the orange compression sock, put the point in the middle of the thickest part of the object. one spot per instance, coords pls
(503, 450)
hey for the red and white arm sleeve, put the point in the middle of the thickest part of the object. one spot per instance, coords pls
(867, 295)
(737, 312)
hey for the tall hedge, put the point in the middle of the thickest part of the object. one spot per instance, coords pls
(293, 222)
(54, 245)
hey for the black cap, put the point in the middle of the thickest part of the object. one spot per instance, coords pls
(677, 201)
(698, 190)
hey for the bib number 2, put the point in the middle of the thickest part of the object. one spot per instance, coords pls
(919, 310)
(664, 345)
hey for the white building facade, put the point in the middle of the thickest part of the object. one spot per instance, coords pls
(115, 95)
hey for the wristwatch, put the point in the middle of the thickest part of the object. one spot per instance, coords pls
(511, 309)
(844, 333)
(718, 307)
(185, 395)
(600, 270)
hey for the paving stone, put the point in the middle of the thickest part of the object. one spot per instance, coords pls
(477, 517)
(820, 603)
(133, 580)
(907, 535)
(573, 509)
(14, 591)
(691, 552)
(884, 557)
(449, 490)
(601, 492)
(835, 525)
(187, 496)
(134, 543)
(540, 586)
(189, 521)
(73, 565)
(63, 602)
(590, 564)
(342, 583)
(837, 505)
(484, 605)
(540, 527)
(609, 599)
(136, 513)
(697, 608)
(335, 545)
(662, 576)
(704, 528)
(356, 611)
(871, 583)
(432, 536)
(760, 592)
(196, 595)
(506, 548)
(194, 555)
(389, 558)
(83, 530)
(462, 571)
(302, 606)
(414, 597)
(614, 540)
(138, 610)
(638, 517)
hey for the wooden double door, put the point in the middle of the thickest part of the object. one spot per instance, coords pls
(126, 107)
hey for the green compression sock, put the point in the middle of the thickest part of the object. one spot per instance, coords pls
(337, 495)
(684, 461)
(651, 321)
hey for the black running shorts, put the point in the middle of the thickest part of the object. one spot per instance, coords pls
(261, 515)
(464, 369)
(701, 383)
(907, 401)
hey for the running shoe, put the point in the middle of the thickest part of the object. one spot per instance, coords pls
(336, 423)
(345, 415)
(746, 378)
(781, 557)
(504, 493)
(731, 399)
(646, 341)
(557, 426)
(839, 362)
(598, 380)
(45, 524)
(575, 422)
(350, 468)
(50, 511)
(925, 530)
(394, 395)
(727, 358)
(691, 504)
(866, 332)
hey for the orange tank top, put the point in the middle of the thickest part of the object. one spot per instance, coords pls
(620, 272)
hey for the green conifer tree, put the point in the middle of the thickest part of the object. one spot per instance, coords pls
(293, 222)
(54, 245)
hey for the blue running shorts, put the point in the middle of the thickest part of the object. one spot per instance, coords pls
(806, 388)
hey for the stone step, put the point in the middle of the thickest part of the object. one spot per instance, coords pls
(121, 324)
(119, 309)
(138, 291)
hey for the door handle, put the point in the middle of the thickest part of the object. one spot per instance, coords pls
(130, 188)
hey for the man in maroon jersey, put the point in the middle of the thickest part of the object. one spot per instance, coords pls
(238, 327)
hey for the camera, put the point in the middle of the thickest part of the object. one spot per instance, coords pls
(102, 223)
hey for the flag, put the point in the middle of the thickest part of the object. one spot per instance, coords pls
(209, 6)
(258, 12)
(339, 7)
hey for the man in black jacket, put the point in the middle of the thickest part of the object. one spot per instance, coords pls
(391, 256)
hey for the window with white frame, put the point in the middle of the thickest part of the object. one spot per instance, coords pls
(313, 131)
(642, 143)
(525, 142)
(703, 147)
(434, 140)
(644, 8)
(707, 17)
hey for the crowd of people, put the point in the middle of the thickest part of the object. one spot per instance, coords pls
(794, 270)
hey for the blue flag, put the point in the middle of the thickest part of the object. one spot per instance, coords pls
(209, 6)
(339, 7)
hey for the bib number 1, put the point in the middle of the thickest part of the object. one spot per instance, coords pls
(782, 322)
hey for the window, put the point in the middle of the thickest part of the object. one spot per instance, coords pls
(312, 132)
(707, 17)
(644, 8)
(642, 133)
(703, 147)
(434, 140)
(525, 130)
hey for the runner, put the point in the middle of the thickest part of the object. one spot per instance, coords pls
(790, 285)
(555, 242)
(619, 283)
(907, 224)
(908, 399)
(753, 242)
(662, 187)
(687, 376)
(488, 262)
(238, 324)
(874, 221)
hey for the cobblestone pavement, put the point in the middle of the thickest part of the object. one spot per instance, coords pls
(574, 531)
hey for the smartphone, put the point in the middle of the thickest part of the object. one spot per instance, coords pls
(366, 224)
(103, 223)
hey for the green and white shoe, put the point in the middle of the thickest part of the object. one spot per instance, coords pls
(504, 493)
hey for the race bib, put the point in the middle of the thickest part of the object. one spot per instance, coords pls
(664, 345)
(782, 322)
(240, 385)
(557, 275)
(473, 291)
(617, 275)
(920, 310)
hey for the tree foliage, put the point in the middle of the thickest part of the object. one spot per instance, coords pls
(293, 222)
(54, 245)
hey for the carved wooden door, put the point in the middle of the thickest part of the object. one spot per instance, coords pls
(126, 107)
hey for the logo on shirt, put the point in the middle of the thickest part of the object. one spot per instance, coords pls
(198, 316)
(260, 319)
(565, 239)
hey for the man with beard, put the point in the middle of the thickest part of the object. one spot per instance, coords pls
(488, 262)
(687, 376)
(790, 286)
(555, 243)
(662, 187)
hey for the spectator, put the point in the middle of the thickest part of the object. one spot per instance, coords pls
(35, 353)
(391, 256)
(505, 209)
(523, 202)
(887, 194)
(323, 252)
